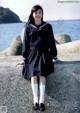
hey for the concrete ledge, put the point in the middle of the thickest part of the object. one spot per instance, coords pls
(69, 48)
(62, 90)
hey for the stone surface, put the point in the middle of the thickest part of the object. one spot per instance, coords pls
(15, 47)
(22, 34)
(4, 52)
(62, 90)
(69, 48)
(62, 38)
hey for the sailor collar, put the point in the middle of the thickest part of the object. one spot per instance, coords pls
(35, 29)
(41, 26)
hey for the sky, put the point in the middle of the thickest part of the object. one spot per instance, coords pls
(53, 9)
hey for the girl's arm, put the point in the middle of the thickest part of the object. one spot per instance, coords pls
(25, 44)
(51, 42)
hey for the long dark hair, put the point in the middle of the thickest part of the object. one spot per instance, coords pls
(34, 9)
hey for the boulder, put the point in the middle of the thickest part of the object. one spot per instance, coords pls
(22, 34)
(4, 52)
(62, 38)
(69, 48)
(15, 47)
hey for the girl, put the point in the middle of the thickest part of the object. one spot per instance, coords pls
(38, 49)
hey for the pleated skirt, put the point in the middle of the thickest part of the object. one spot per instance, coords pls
(38, 64)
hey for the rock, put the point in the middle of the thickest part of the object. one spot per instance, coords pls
(7, 16)
(22, 34)
(15, 47)
(4, 52)
(62, 38)
(62, 90)
(69, 48)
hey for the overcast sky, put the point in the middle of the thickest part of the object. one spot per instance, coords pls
(53, 10)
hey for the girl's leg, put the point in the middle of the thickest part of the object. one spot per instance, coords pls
(34, 85)
(42, 81)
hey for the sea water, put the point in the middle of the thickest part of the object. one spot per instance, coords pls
(9, 31)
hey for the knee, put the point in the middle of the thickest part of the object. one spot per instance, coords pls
(42, 80)
(34, 79)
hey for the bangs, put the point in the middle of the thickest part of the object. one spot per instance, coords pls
(37, 7)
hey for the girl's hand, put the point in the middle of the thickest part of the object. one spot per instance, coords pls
(21, 62)
(56, 60)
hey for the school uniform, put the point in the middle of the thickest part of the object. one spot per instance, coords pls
(38, 49)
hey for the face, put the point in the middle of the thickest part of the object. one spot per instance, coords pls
(37, 15)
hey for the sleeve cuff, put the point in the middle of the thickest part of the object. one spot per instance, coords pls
(55, 58)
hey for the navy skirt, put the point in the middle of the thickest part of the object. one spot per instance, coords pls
(38, 64)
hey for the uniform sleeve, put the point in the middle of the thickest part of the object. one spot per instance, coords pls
(25, 44)
(51, 42)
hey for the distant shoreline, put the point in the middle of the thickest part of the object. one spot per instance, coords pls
(47, 21)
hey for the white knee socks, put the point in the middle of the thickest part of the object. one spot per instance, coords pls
(35, 92)
(42, 93)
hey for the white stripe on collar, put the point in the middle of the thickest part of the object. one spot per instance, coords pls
(33, 25)
(36, 27)
(39, 27)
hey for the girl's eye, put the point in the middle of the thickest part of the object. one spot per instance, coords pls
(40, 12)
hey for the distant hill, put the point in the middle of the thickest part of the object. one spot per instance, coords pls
(8, 16)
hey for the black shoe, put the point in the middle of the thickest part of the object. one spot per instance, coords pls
(42, 107)
(35, 106)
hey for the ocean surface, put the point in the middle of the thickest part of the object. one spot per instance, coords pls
(9, 31)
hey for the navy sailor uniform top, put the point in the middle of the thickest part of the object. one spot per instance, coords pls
(38, 49)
